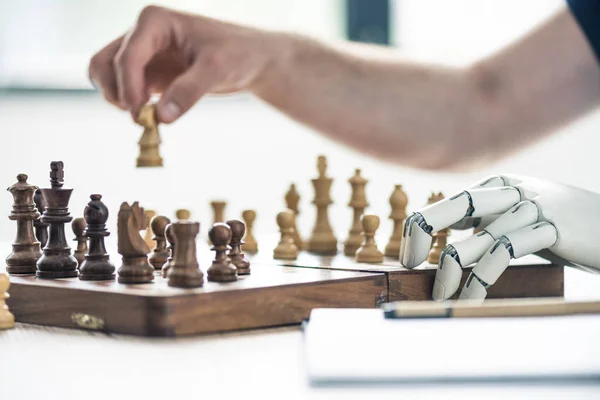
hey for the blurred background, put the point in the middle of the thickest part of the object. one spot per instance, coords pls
(237, 148)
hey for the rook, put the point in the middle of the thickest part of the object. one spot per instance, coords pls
(185, 271)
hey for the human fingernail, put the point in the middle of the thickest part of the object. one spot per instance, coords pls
(169, 112)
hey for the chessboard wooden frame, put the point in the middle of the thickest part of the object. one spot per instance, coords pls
(276, 293)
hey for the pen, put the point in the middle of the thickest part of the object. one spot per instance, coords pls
(490, 308)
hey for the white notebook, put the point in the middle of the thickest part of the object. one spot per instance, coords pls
(358, 345)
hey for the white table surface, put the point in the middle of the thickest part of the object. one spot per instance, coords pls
(50, 363)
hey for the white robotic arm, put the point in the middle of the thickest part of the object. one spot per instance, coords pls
(525, 216)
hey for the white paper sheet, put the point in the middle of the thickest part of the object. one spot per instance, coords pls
(349, 345)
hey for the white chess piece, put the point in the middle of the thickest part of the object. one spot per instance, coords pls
(7, 320)
(521, 216)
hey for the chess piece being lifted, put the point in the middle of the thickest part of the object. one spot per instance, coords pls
(97, 265)
(286, 249)
(78, 226)
(292, 198)
(7, 320)
(238, 229)
(398, 202)
(368, 252)
(221, 270)
(132, 247)
(358, 202)
(160, 254)
(170, 236)
(26, 248)
(41, 229)
(150, 141)
(322, 240)
(148, 232)
(185, 271)
(250, 243)
(56, 260)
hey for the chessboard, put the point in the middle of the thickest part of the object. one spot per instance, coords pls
(141, 286)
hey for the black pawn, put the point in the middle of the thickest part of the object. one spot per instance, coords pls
(78, 226)
(160, 254)
(56, 260)
(41, 229)
(96, 266)
(238, 229)
(221, 269)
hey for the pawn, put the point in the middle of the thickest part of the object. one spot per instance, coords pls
(170, 236)
(440, 240)
(7, 320)
(78, 226)
(185, 271)
(368, 252)
(235, 254)
(160, 254)
(221, 270)
(250, 243)
(96, 265)
(286, 249)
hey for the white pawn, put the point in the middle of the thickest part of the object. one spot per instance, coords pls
(286, 249)
(7, 320)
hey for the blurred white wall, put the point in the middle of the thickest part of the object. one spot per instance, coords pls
(240, 149)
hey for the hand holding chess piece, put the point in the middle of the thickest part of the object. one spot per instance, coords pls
(97, 265)
(238, 229)
(132, 247)
(286, 249)
(150, 141)
(368, 252)
(7, 320)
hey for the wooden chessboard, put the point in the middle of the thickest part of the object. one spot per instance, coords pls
(276, 293)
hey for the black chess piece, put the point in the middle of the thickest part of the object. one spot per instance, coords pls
(132, 246)
(56, 260)
(221, 270)
(41, 229)
(160, 254)
(96, 266)
(185, 271)
(238, 230)
(26, 249)
(171, 240)
(78, 226)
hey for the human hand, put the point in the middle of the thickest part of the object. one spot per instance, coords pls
(182, 57)
(556, 221)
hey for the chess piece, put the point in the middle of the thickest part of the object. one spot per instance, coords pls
(238, 229)
(358, 202)
(292, 198)
(185, 271)
(368, 252)
(150, 141)
(218, 211)
(182, 214)
(286, 249)
(26, 249)
(250, 245)
(322, 240)
(221, 270)
(440, 239)
(398, 202)
(131, 246)
(41, 229)
(56, 260)
(434, 198)
(78, 226)
(170, 236)
(97, 265)
(160, 254)
(7, 320)
(148, 232)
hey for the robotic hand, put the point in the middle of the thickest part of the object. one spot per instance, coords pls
(520, 216)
